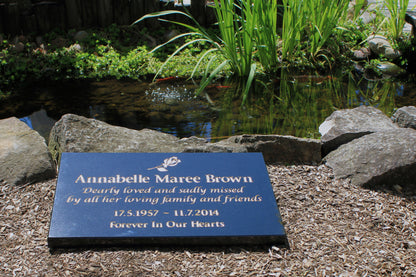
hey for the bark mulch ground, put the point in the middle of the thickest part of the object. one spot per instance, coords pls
(334, 229)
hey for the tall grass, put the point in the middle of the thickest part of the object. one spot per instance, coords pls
(247, 33)
(266, 36)
(294, 23)
(395, 22)
(359, 5)
(323, 18)
(236, 22)
(248, 30)
(310, 21)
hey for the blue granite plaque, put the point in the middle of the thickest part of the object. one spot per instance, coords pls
(118, 199)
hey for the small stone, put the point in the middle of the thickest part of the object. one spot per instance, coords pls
(22, 38)
(411, 19)
(75, 48)
(398, 188)
(19, 47)
(405, 117)
(362, 54)
(380, 45)
(170, 34)
(348, 274)
(381, 158)
(59, 42)
(81, 35)
(24, 156)
(343, 126)
(307, 262)
(39, 40)
(390, 69)
(392, 54)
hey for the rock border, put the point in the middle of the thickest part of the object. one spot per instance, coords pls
(361, 144)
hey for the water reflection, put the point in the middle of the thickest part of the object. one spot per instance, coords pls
(289, 105)
(297, 105)
(40, 122)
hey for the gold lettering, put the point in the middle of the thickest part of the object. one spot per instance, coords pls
(80, 179)
(210, 178)
(119, 225)
(173, 224)
(199, 224)
(238, 199)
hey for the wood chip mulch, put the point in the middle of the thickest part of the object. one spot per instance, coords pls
(333, 227)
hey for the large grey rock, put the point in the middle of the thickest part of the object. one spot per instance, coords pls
(81, 36)
(345, 125)
(73, 133)
(218, 147)
(24, 156)
(386, 157)
(405, 117)
(280, 149)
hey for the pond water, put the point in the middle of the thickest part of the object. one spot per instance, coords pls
(288, 105)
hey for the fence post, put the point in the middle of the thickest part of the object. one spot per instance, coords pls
(105, 13)
(198, 10)
(151, 6)
(89, 13)
(11, 18)
(73, 14)
(122, 12)
(137, 10)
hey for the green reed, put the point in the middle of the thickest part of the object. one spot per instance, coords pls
(395, 21)
(359, 5)
(247, 34)
(266, 36)
(248, 30)
(312, 22)
(294, 23)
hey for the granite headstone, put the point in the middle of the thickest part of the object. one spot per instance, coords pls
(126, 199)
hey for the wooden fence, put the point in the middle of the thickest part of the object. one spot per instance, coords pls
(41, 16)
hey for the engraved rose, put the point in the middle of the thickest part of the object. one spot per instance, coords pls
(172, 161)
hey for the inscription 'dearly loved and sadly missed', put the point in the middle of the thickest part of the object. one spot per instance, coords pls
(125, 199)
